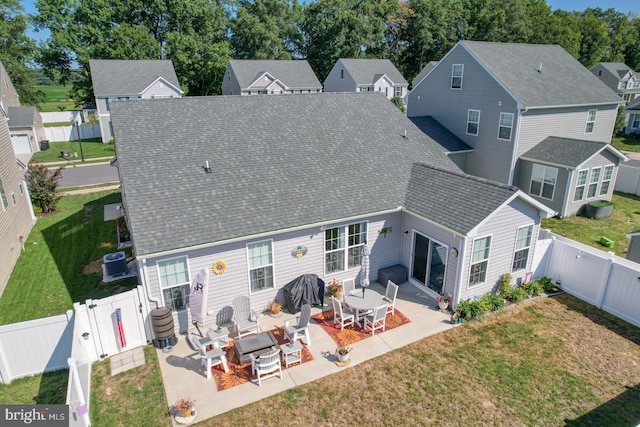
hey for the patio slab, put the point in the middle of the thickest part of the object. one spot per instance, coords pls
(183, 375)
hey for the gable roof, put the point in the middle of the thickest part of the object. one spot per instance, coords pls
(21, 116)
(113, 77)
(369, 71)
(340, 155)
(618, 69)
(567, 152)
(634, 106)
(541, 76)
(295, 74)
(449, 142)
(421, 75)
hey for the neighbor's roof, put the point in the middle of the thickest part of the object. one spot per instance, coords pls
(449, 142)
(567, 152)
(369, 71)
(338, 155)
(295, 74)
(113, 77)
(618, 69)
(541, 75)
(424, 72)
(21, 116)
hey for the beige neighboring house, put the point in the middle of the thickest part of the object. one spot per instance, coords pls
(124, 80)
(269, 77)
(26, 129)
(366, 75)
(16, 213)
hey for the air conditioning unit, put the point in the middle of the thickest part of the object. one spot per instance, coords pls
(115, 264)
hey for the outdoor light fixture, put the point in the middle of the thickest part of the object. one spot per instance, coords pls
(85, 336)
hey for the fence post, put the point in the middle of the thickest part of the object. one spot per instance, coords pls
(607, 280)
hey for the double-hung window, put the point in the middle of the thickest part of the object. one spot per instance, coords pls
(457, 71)
(174, 281)
(473, 122)
(635, 121)
(591, 121)
(343, 247)
(523, 244)
(593, 182)
(397, 91)
(3, 197)
(505, 127)
(260, 255)
(581, 184)
(479, 260)
(606, 180)
(543, 181)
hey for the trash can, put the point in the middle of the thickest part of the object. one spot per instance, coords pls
(44, 145)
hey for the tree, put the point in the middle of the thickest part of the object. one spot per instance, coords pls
(594, 41)
(504, 21)
(42, 186)
(16, 51)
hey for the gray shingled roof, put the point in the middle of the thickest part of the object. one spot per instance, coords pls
(455, 200)
(424, 72)
(129, 77)
(562, 80)
(565, 152)
(619, 69)
(295, 74)
(21, 116)
(277, 162)
(441, 135)
(369, 71)
(633, 106)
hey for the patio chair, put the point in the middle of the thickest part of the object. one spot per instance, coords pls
(245, 320)
(301, 328)
(341, 315)
(215, 356)
(267, 365)
(376, 320)
(390, 297)
(348, 286)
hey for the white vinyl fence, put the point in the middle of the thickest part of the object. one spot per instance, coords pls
(59, 116)
(628, 177)
(601, 278)
(70, 133)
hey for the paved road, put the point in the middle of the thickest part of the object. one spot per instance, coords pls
(78, 175)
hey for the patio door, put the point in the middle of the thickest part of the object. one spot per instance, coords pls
(429, 262)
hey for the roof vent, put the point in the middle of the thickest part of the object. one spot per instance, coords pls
(540, 68)
(404, 135)
(207, 169)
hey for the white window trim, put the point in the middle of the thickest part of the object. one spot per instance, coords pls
(272, 265)
(510, 127)
(593, 122)
(604, 179)
(553, 193)
(468, 122)
(162, 96)
(635, 122)
(487, 259)
(3, 196)
(597, 183)
(515, 247)
(188, 283)
(344, 249)
(586, 181)
(461, 77)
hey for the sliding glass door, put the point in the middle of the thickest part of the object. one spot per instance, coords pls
(429, 262)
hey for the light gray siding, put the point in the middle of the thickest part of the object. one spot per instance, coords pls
(492, 157)
(607, 78)
(557, 202)
(230, 84)
(160, 88)
(335, 83)
(601, 160)
(633, 253)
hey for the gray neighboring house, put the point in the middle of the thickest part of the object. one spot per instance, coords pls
(620, 78)
(27, 130)
(269, 77)
(633, 122)
(503, 99)
(421, 75)
(275, 202)
(123, 80)
(366, 75)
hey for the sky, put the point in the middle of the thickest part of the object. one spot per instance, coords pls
(620, 5)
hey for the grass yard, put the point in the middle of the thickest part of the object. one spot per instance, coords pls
(624, 219)
(626, 143)
(61, 263)
(44, 389)
(92, 148)
(57, 98)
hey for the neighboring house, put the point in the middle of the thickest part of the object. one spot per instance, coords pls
(503, 99)
(122, 80)
(26, 128)
(275, 202)
(620, 78)
(269, 77)
(423, 73)
(8, 93)
(366, 75)
(16, 213)
(633, 122)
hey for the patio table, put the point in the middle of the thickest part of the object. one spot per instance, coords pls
(254, 344)
(367, 302)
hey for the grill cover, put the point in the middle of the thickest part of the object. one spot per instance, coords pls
(305, 289)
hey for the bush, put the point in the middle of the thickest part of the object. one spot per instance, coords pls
(505, 287)
(493, 302)
(43, 186)
(547, 284)
(533, 288)
(518, 294)
(469, 309)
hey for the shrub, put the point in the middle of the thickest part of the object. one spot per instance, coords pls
(547, 284)
(505, 287)
(533, 288)
(518, 294)
(493, 302)
(469, 309)
(43, 186)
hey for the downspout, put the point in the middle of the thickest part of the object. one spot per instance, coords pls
(516, 139)
(456, 290)
(146, 284)
(565, 203)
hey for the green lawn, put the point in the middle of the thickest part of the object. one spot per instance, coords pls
(57, 98)
(624, 219)
(626, 143)
(91, 148)
(61, 261)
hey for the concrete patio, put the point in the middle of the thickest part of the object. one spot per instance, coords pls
(183, 376)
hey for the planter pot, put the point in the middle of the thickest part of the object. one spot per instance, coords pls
(443, 305)
(338, 295)
(598, 209)
(343, 357)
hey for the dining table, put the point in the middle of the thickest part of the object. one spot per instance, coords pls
(363, 302)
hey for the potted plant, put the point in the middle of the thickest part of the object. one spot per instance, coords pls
(443, 302)
(275, 308)
(335, 288)
(599, 209)
(343, 352)
(185, 407)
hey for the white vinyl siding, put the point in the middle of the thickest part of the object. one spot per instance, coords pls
(581, 184)
(3, 197)
(341, 252)
(593, 182)
(260, 261)
(457, 71)
(543, 181)
(174, 281)
(506, 126)
(523, 244)
(606, 180)
(479, 260)
(591, 121)
(473, 122)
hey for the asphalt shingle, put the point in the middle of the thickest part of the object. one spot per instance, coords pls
(129, 77)
(369, 71)
(295, 74)
(566, 152)
(21, 116)
(450, 143)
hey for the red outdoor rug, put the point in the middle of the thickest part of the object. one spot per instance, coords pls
(351, 335)
(240, 374)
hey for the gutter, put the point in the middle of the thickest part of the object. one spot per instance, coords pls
(143, 270)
